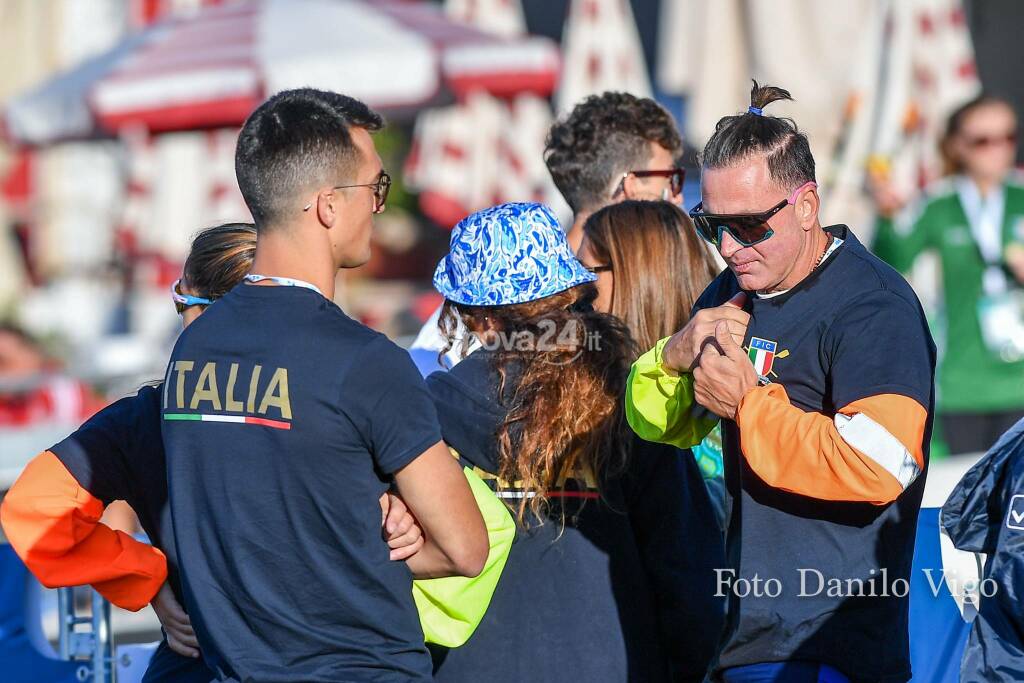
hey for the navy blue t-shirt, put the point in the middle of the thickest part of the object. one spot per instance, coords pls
(118, 455)
(624, 590)
(283, 420)
(851, 330)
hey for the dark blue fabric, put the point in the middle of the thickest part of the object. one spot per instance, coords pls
(118, 454)
(21, 661)
(852, 329)
(625, 592)
(167, 665)
(285, 572)
(938, 632)
(985, 514)
(784, 672)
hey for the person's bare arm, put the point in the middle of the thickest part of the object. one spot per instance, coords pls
(436, 491)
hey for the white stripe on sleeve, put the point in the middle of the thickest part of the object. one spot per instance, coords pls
(875, 441)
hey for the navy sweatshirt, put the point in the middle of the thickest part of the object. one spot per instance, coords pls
(625, 592)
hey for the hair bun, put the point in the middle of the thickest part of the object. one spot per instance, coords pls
(763, 95)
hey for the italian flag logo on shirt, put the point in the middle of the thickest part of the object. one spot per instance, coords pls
(762, 353)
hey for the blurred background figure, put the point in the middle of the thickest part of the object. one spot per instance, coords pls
(33, 390)
(974, 220)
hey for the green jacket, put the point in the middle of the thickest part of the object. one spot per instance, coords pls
(971, 378)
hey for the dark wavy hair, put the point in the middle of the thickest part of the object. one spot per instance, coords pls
(603, 137)
(785, 148)
(564, 399)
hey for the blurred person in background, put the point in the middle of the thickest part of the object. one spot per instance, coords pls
(611, 576)
(36, 396)
(33, 389)
(816, 358)
(611, 147)
(974, 220)
(639, 250)
(52, 513)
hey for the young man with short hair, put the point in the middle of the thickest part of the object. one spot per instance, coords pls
(612, 147)
(285, 420)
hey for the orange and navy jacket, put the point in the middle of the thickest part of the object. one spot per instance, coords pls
(51, 515)
(824, 463)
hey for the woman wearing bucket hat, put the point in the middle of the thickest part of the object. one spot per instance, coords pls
(597, 581)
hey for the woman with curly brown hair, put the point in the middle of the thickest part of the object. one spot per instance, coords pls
(601, 580)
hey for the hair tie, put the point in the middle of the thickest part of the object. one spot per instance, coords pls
(755, 110)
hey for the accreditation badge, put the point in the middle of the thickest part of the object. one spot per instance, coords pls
(1018, 229)
(1001, 317)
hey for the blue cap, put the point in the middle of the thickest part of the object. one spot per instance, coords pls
(508, 254)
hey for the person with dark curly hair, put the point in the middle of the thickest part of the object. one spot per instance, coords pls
(612, 147)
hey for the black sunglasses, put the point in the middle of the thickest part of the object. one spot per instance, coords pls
(985, 141)
(746, 228)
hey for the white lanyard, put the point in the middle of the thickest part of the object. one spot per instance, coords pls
(283, 281)
(985, 221)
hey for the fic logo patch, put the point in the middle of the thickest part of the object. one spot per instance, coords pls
(762, 355)
(1015, 518)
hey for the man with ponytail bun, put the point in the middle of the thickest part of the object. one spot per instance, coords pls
(817, 358)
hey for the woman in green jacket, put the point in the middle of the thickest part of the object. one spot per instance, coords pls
(974, 219)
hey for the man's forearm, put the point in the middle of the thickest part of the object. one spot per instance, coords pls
(870, 452)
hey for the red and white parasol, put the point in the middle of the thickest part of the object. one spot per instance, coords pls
(602, 51)
(212, 67)
(486, 150)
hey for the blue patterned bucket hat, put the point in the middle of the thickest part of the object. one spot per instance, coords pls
(508, 254)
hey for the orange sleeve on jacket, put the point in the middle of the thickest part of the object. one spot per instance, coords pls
(53, 525)
(870, 452)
